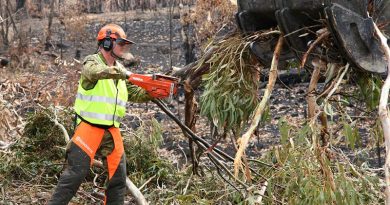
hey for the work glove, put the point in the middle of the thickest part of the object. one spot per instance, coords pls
(113, 70)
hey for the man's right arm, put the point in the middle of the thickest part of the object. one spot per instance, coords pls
(93, 71)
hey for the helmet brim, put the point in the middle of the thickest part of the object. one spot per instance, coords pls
(124, 41)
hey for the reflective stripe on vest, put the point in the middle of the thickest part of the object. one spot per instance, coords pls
(102, 99)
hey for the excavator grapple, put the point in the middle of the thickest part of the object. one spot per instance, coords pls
(350, 22)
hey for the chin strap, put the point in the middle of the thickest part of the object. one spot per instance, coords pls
(116, 56)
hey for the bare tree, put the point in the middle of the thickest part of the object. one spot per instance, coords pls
(40, 6)
(187, 36)
(11, 18)
(20, 4)
(4, 24)
(49, 30)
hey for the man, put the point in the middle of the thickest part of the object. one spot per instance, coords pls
(100, 104)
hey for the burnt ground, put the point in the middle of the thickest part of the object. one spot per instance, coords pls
(149, 30)
(288, 101)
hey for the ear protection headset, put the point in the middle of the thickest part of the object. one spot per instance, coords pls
(107, 42)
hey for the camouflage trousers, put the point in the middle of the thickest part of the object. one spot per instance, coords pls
(87, 142)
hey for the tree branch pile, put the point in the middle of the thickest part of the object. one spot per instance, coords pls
(217, 73)
(22, 93)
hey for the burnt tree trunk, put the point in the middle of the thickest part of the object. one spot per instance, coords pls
(20, 4)
(11, 18)
(190, 120)
(40, 6)
(4, 26)
(48, 43)
(188, 41)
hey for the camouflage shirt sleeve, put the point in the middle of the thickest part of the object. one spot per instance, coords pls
(94, 69)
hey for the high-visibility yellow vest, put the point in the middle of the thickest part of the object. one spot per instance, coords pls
(105, 104)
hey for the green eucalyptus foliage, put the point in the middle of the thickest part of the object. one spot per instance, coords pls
(231, 85)
(370, 89)
(304, 173)
(38, 154)
(168, 185)
(142, 158)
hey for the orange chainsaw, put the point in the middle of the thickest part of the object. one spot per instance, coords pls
(157, 85)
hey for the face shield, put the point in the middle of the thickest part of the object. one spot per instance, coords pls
(121, 49)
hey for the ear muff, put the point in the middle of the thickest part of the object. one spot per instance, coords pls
(107, 42)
